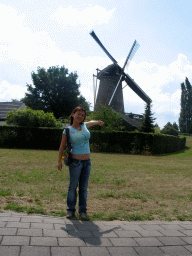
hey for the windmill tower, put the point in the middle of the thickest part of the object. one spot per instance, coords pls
(108, 80)
(110, 91)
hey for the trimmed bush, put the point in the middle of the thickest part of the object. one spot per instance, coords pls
(136, 143)
(30, 138)
(114, 142)
(31, 118)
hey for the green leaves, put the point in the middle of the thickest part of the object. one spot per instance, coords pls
(148, 121)
(185, 119)
(32, 118)
(170, 131)
(112, 120)
(135, 143)
(54, 90)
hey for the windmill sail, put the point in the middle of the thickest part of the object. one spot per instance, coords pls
(101, 45)
(111, 80)
(132, 52)
(135, 87)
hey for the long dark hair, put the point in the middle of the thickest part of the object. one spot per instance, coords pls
(73, 112)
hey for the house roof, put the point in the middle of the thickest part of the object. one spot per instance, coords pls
(132, 121)
(5, 107)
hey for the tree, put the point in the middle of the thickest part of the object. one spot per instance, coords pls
(170, 129)
(148, 121)
(54, 90)
(185, 119)
(112, 120)
(157, 128)
(83, 103)
(168, 125)
(175, 126)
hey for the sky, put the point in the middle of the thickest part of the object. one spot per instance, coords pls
(55, 33)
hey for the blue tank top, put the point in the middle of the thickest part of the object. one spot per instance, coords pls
(79, 140)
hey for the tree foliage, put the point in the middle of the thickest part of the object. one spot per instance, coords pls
(31, 118)
(54, 90)
(148, 120)
(157, 129)
(170, 129)
(175, 125)
(112, 120)
(185, 119)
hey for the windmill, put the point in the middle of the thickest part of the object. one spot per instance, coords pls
(110, 90)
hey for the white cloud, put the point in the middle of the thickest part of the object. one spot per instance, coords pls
(20, 45)
(28, 49)
(162, 84)
(181, 67)
(175, 100)
(11, 91)
(151, 75)
(92, 15)
(10, 22)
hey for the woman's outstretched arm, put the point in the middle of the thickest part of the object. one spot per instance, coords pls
(94, 122)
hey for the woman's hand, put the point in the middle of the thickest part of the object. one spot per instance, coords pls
(59, 166)
(100, 123)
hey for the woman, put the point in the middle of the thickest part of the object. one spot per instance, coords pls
(79, 169)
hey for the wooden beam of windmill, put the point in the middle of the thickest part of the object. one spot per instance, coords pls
(101, 45)
(135, 87)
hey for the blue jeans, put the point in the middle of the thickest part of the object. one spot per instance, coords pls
(79, 171)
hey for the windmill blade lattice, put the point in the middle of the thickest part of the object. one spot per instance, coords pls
(132, 52)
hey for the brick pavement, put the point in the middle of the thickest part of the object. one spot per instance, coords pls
(28, 235)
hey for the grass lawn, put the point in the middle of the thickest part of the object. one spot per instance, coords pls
(123, 187)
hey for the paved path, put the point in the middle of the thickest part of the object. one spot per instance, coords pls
(36, 235)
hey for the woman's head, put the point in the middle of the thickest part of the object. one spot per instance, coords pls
(77, 111)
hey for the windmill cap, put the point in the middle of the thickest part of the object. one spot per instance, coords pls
(111, 70)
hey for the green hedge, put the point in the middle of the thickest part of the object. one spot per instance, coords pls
(136, 143)
(114, 142)
(30, 138)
